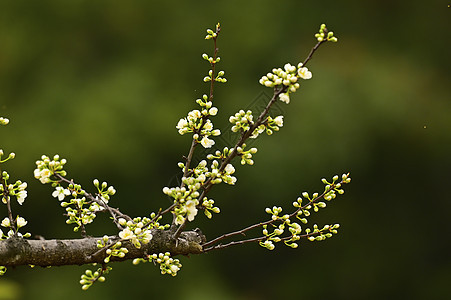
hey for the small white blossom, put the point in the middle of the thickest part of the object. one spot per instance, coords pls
(296, 228)
(284, 97)
(21, 197)
(182, 126)
(6, 223)
(304, 73)
(4, 121)
(22, 186)
(194, 115)
(289, 68)
(126, 234)
(174, 268)
(191, 210)
(21, 222)
(60, 193)
(213, 111)
(206, 142)
(147, 237)
(229, 169)
(43, 175)
(279, 121)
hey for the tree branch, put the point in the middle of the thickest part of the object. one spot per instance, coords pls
(18, 251)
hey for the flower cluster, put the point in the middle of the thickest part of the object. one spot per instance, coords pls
(186, 198)
(246, 155)
(208, 205)
(273, 124)
(212, 34)
(136, 230)
(218, 77)
(325, 35)
(8, 190)
(113, 249)
(45, 168)
(89, 277)
(288, 78)
(104, 191)
(18, 189)
(202, 127)
(19, 222)
(241, 121)
(301, 213)
(80, 211)
(168, 265)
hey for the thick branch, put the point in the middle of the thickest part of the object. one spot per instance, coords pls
(18, 251)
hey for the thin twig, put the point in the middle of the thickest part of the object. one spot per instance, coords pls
(7, 197)
(208, 246)
(114, 212)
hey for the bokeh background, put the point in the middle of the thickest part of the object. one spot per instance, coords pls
(103, 84)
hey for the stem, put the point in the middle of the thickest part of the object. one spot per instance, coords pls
(114, 212)
(209, 245)
(312, 52)
(198, 131)
(7, 198)
(245, 135)
(258, 239)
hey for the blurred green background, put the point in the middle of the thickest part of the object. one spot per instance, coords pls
(103, 84)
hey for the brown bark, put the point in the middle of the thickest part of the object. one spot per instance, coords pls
(18, 251)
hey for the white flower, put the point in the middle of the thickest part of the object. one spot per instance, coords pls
(284, 98)
(213, 111)
(304, 73)
(21, 197)
(43, 175)
(6, 223)
(21, 222)
(208, 125)
(179, 220)
(182, 126)
(22, 186)
(191, 210)
(279, 121)
(60, 193)
(194, 115)
(4, 121)
(289, 68)
(126, 234)
(147, 236)
(174, 268)
(296, 228)
(229, 169)
(206, 142)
